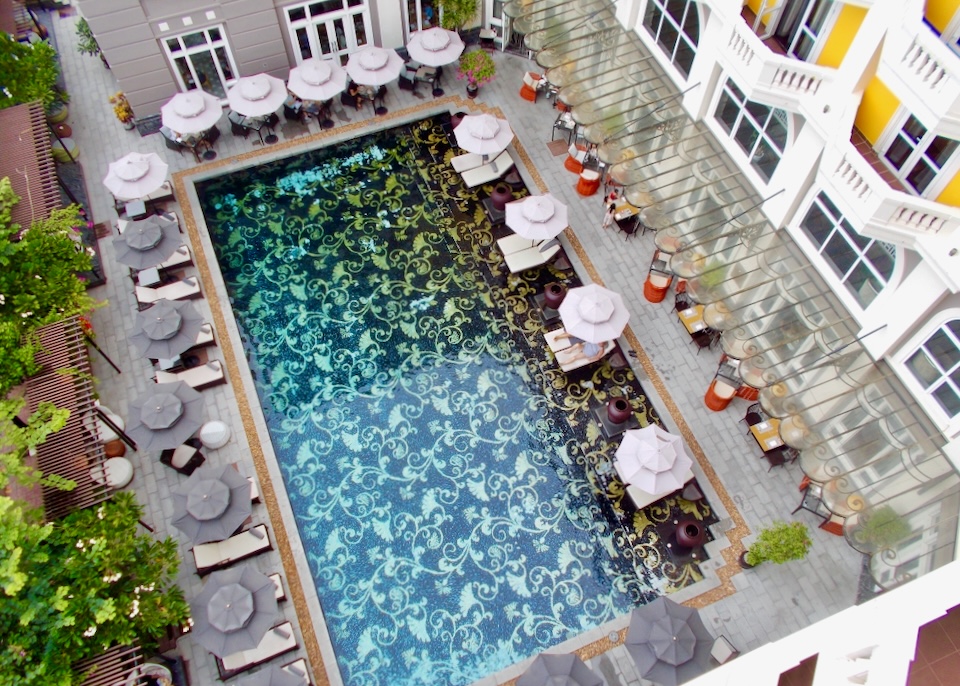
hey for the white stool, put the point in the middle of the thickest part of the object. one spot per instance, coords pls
(214, 434)
(116, 472)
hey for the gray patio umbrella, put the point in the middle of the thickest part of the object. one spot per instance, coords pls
(273, 676)
(559, 670)
(668, 642)
(148, 242)
(166, 416)
(166, 329)
(234, 610)
(212, 504)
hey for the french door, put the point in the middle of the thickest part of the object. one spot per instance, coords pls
(202, 59)
(329, 29)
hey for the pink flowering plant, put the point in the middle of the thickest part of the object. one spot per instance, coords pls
(477, 67)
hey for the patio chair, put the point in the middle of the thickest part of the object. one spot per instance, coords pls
(276, 642)
(723, 650)
(516, 243)
(642, 499)
(467, 161)
(501, 164)
(298, 668)
(571, 358)
(198, 378)
(535, 256)
(277, 580)
(209, 557)
(184, 458)
(183, 289)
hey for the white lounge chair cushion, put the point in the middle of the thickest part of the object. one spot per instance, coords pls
(178, 290)
(180, 257)
(243, 544)
(275, 642)
(554, 340)
(469, 160)
(569, 360)
(514, 243)
(488, 172)
(641, 498)
(196, 377)
(528, 259)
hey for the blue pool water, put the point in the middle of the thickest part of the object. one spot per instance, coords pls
(437, 474)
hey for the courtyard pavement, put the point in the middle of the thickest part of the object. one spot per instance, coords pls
(750, 608)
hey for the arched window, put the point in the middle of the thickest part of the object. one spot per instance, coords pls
(675, 25)
(936, 366)
(761, 131)
(862, 264)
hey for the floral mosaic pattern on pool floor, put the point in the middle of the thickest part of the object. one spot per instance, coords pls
(455, 498)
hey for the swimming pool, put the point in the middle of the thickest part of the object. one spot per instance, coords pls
(439, 466)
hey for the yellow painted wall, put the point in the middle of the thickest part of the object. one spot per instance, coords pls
(940, 12)
(841, 35)
(951, 194)
(878, 105)
(754, 5)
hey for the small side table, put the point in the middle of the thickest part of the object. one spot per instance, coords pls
(116, 472)
(215, 434)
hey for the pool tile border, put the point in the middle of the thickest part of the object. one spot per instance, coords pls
(311, 642)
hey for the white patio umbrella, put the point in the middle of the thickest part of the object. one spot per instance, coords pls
(593, 313)
(317, 79)
(652, 459)
(135, 175)
(195, 111)
(537, 217)
(257, 96)
(373, 66)
(435, 47)
(483, 134)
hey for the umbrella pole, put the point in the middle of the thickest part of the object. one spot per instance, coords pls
(103, 354)
(116, 429)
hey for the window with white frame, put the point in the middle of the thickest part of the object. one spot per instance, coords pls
(329, 29)
(675, 25)
(863, 265)
(809, 27)
(936, 366)
(421, 14)
(202, 59)
(761, 131)
(917, 155)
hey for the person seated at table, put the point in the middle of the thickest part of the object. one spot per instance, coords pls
(351, 97)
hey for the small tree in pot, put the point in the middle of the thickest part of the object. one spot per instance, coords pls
(778, 543)
(478, 68)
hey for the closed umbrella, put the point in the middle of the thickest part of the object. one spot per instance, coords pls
(135, 175)
(559, 670)
(668, 642)
(167, 329)
(212, 504)
(593, 313)
(234, 610)
(537, 217)
(317, 79)
(257, 96)
(192, 112)
(373, 66)
(166, 416)
(148, 242)
(483, 134)
(435, 47)
(652, 459)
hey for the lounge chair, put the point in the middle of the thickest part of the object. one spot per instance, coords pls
(501, 164)
(467, 161)
(203, 376)
(641, 498)
(557, 339)
(178, 290)
(184, 458)
(278, 582)
(515, 243)
(572, 357)
(532, 257)
(298, 668)
(277, 641)
(180, 258)
(212, 556)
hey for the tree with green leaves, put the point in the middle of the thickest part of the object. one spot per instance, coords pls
(455, 14)
(18, 441)
(74, 588)
(29, 71)
(38, 281)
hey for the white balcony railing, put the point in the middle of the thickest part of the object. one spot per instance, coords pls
(928, 70)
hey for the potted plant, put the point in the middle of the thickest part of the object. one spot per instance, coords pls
(122, 110)
(778, 543)
(478, 68)
(455, 13)
(87, 42)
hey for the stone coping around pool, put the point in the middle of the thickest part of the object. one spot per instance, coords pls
(729, 532)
